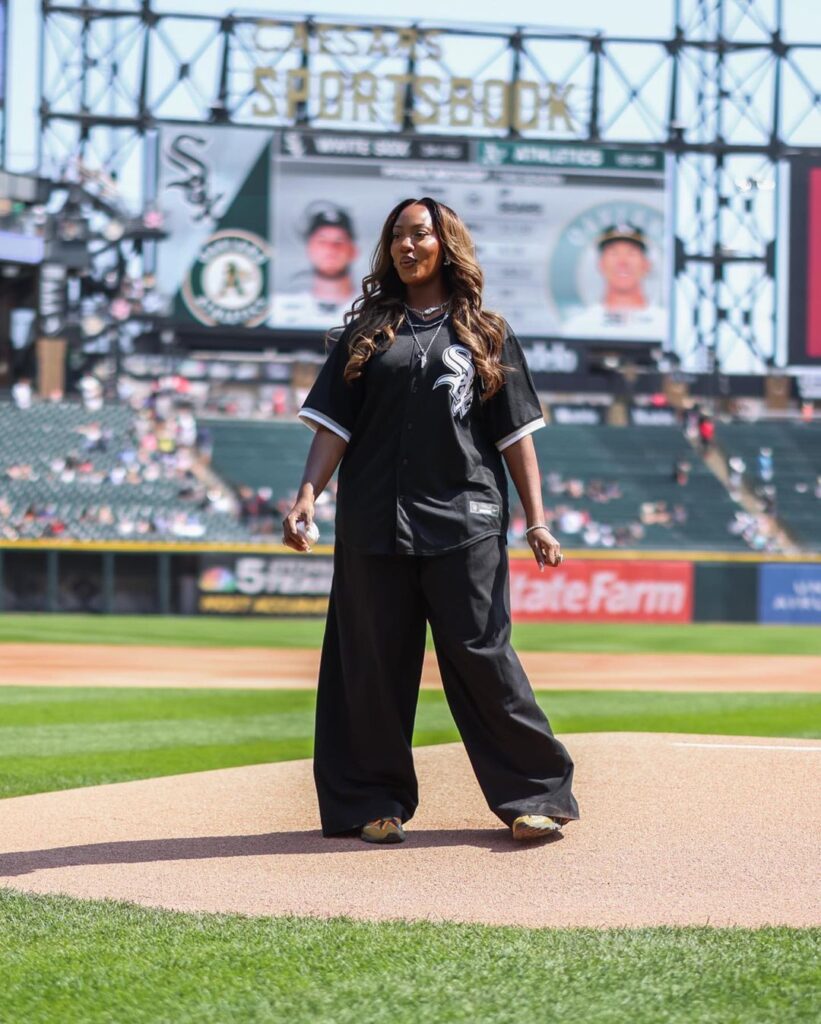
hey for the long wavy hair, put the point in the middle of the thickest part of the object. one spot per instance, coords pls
(379, 311)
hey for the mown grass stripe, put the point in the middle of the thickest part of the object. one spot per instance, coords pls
(95, 962)
(56, 738)
(585, 637)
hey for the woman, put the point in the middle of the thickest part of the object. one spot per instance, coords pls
(421, 398)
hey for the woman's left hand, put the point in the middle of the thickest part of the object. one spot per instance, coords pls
(545, 547)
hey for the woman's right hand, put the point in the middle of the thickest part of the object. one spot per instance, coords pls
(303, 511)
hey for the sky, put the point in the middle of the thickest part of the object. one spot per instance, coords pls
(802, 19)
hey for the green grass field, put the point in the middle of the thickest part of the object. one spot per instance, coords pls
(60, 737)
(708, 638)
(97, 963)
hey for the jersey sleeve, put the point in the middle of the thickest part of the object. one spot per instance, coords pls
(514, 411)
(332, 402)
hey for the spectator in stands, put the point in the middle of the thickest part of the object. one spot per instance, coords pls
(262, 514)
(205, 443)
(572, 521)
(636, 531)
(754, 529)
(21, 394)
(325, 505)
(767, 496)
(95, 439)
(765, 465)
(186, 428)
(608, 539)
(706, 432)
(249, 505)
(596, 491)
(92, 392)
(735, 478)
(655, 513)
(21, 471)
(54, 527)
(219, 500)
(692, 416)
(681, 472)
(592, 534)
(280, 402)
(553, 483)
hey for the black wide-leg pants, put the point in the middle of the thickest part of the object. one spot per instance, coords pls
(369, 684)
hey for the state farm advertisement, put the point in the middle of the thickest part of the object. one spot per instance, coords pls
(602, 591)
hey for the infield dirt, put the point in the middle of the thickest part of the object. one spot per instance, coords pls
(259, 668)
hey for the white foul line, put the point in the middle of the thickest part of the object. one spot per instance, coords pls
(749, 746)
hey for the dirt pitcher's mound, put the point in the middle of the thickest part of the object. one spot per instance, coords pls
(676, 830)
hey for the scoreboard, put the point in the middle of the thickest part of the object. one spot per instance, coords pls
(273, 230)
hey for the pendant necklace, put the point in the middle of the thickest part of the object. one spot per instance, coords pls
(428, 310)
(424, 351)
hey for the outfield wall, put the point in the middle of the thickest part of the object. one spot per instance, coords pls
(203, 579)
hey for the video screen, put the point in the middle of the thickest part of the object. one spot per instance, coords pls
(571, 238)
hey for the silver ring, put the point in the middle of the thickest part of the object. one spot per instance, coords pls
(561, 559)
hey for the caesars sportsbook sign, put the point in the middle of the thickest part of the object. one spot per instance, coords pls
(617, 591)
(360, 74)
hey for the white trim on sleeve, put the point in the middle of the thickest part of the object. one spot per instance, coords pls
(311, 418)
(517, 435)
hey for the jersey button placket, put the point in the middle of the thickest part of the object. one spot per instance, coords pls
(404, 532)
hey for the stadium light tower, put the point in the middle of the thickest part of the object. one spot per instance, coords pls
(726, 102)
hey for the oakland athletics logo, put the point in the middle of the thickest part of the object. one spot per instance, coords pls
(460, 382)
(228, 281)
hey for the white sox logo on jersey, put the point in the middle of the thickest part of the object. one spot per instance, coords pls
(460, 382)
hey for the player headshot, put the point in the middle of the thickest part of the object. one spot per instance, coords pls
(624, 309)
(323, 292)
(423, 402)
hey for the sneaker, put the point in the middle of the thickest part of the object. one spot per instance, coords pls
(535, 826)
(383, 830)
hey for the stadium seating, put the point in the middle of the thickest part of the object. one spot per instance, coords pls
(258, 453)
(41, 501)
(796, 463)
(634, 465)
(640, 460)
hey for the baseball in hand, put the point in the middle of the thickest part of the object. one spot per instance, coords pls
(311, 532)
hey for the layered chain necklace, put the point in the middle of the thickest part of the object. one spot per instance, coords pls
(423, 352)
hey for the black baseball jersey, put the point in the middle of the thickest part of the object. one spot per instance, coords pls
(423, 471)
